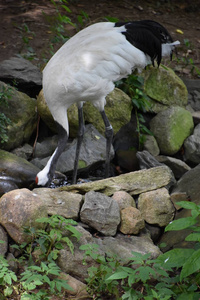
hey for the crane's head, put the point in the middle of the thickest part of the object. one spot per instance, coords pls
(43, 178)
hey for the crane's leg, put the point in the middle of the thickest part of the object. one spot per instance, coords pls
(109, 137)
(81, 131)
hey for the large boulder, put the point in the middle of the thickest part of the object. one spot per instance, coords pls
(118, 110)
(46, 115)
(21, 110)
(20, 209)
(171, 127)
(165, 88)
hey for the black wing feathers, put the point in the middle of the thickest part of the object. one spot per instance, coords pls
(148, 36)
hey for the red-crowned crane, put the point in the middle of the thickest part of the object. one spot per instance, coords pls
(86, 66)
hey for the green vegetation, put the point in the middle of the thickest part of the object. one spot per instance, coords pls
(5, 95)
(37, 261)
(173, 275)
(133, 86)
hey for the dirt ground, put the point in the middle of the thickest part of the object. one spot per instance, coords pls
(29, 27)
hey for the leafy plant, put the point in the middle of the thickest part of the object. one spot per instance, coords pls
(97, 280)
(46, 243)
(7, 277)
(133, 86)
(43, 276)
(5, 95)
(173, 275)
(186, 259)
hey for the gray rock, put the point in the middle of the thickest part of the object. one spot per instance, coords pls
(93, 152)
(192, 146)
(194, 99)
(189, 183)
(147, 160)
(170, 128)
(27, 77)
(46, 147)
(177, 166)
(123, 246)
(24, 151)
(101, 213)
(150, 144)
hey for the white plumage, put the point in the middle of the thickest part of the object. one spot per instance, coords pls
(86, 66)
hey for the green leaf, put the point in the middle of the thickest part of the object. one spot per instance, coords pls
(117, 275)
(180, 224)
(191, 266)
(174, 258)
(188, 205)
(193, 237)
(8, 291)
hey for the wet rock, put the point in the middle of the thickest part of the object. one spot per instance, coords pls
(192, 146)
(135, 182)
(132, 221)
(15, 171)
(156, 207)
(170, 128)
(23, 120)
(93, 153)
(101, 213)
(123, 199)
(20, 208)
(60, 202)
(26, 76)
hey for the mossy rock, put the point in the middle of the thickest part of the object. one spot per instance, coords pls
(170, 128)
(21, 110)
(165, 88)
(118, 110)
